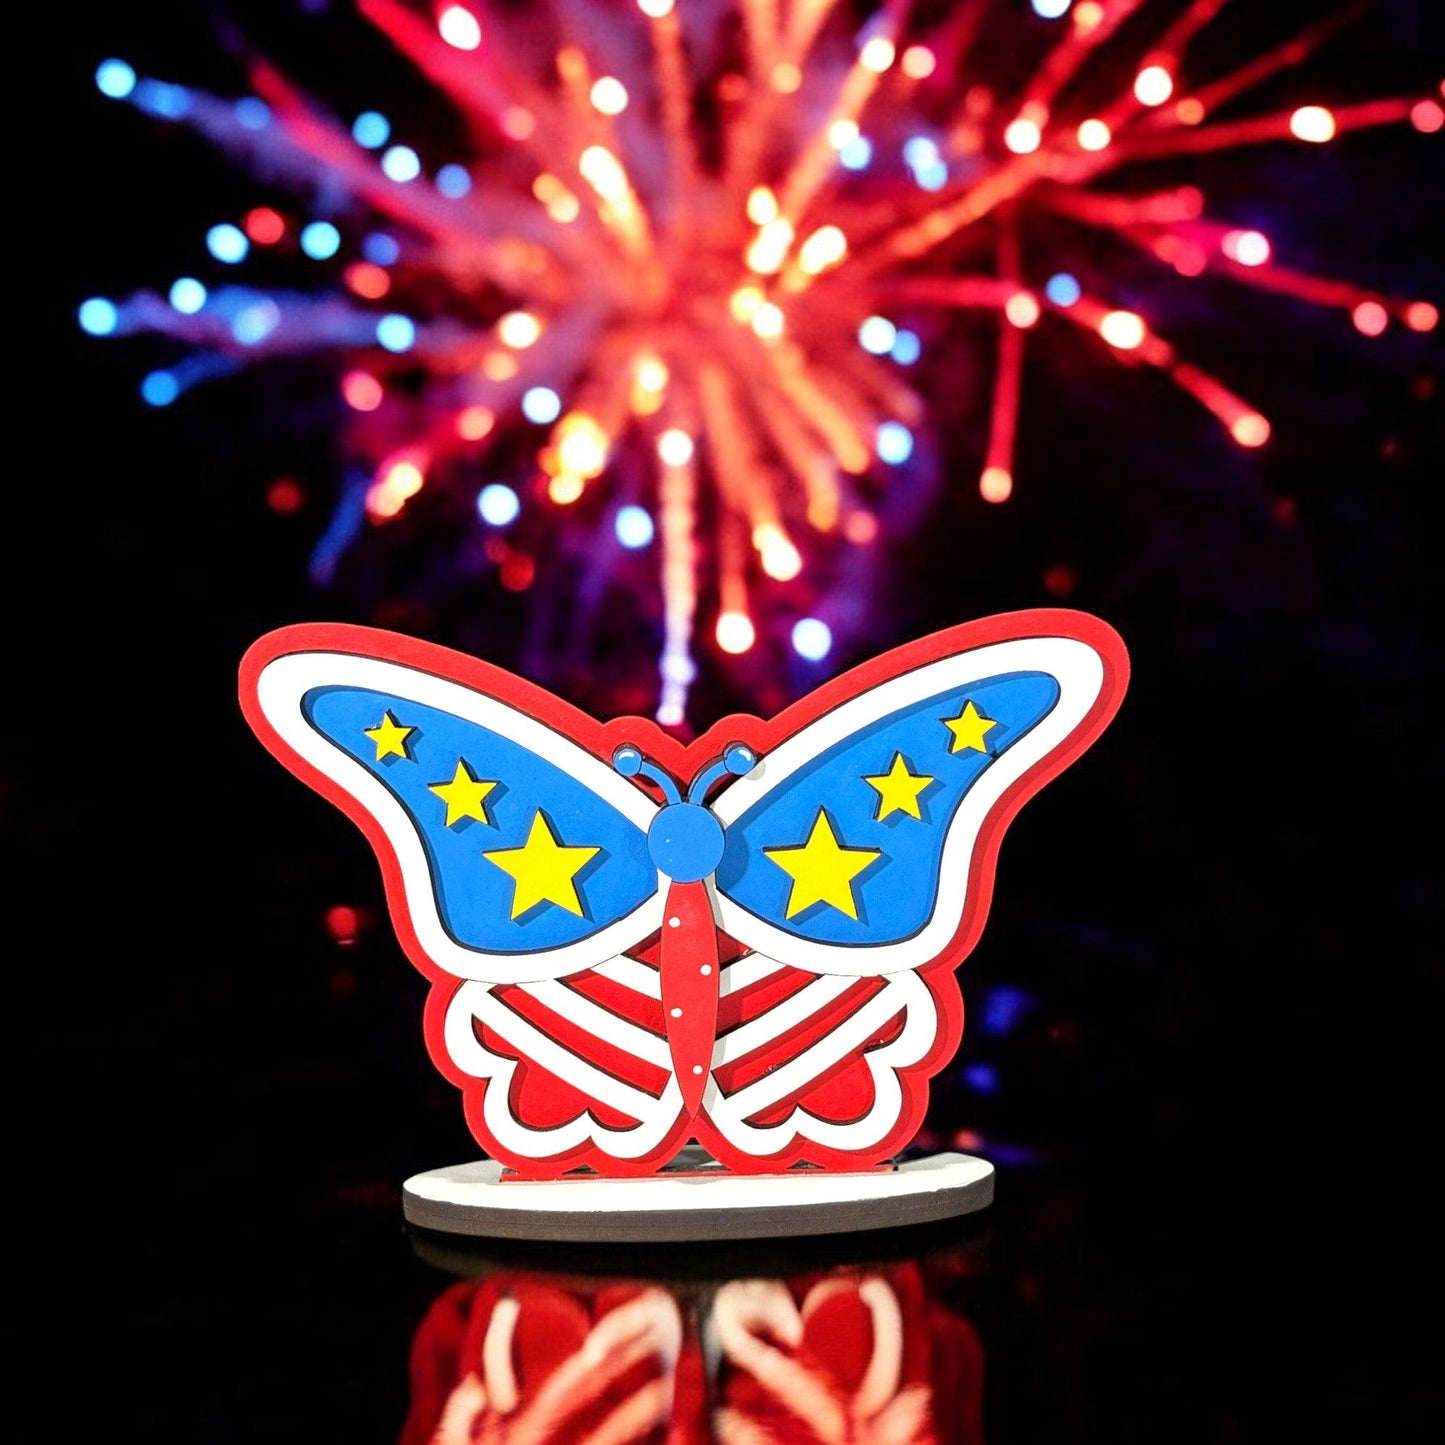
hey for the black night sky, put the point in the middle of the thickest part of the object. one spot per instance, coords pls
(1213, 1105)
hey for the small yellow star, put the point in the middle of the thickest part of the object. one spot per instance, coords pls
(463, 795)
(822, 870)
(898, 789)
(390, 737)
(543, 869)
(968, 729)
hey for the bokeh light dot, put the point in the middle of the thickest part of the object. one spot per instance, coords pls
(396, 332)
(285, 496)
(675, 447)
(1422, 316)
(1248, 248)
(187, 295)
(812, 638)
(1022, 136)
(1153, 85)
(894, 443)
(1124, 330)
(518, 572)
(366, 280)
(498, 505)
(1370, 318)
(1427, 116)
(918, 62)
(453, 181)
(877, 335)
(264, 225)
(541, 404)
(254, 323)
(252, 113)
(608, 95)
(155, 97)
(877, 54)
(361, 390)
(459, 28)
(1094, 135)
(735, 632)
(565, 488)
(518, 329)
(1021, 309)
(1312, 123)
(401, 163)
(996, 484)
(633, 526)
(159, 388)
(97, 316)
(320, 240)
(227, 243)
(371, 129)
(1250, 429)
(114, 78)
(475, 422)
(906, 348)
(1063, 289)
(1050, 9)
(381, 249)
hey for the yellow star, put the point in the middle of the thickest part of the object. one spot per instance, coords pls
(543, 869)
(463, 795)
(968, 729)
(822, 871)
(898, 789)
(390, 737)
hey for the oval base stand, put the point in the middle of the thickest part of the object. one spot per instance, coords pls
(695, 1199)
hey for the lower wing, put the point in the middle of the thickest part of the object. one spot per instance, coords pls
(824, 1069)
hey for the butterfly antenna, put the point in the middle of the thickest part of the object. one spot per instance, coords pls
(629, 761)
(736, 760)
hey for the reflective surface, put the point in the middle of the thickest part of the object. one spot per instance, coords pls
(864, 1348)
(1071, 1311)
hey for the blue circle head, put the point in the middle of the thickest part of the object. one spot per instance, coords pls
(685, 841)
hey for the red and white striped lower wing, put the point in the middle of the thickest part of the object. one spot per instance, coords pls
(804, 1064)
(568, 1063)
(805, 1059)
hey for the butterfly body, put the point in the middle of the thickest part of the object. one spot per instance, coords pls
(764, 964)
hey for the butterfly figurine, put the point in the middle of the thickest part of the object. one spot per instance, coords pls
(748, 941)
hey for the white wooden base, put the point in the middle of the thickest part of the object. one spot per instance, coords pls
(696, 1203)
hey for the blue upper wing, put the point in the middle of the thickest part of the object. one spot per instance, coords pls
(849, 848)
(519, 854)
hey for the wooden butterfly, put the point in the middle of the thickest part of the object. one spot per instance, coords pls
(748, 941)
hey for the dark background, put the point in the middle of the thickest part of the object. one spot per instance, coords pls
(1215, 1112)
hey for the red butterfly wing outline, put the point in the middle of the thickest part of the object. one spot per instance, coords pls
(823, 1054)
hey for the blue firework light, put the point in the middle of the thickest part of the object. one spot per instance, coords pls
(640, 330)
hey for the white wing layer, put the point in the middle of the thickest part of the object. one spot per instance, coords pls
(1079, 671)
(654, 1115)
(281, 688)
(920, 1027)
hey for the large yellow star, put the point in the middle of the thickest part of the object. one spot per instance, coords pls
(822, 870)
(390, 737)
(543, 869)
(898, 789)
(968, 729)
(463, 795)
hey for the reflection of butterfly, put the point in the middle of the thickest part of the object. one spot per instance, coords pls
(748, 940)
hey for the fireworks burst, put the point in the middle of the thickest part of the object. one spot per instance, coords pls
(656, 297)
